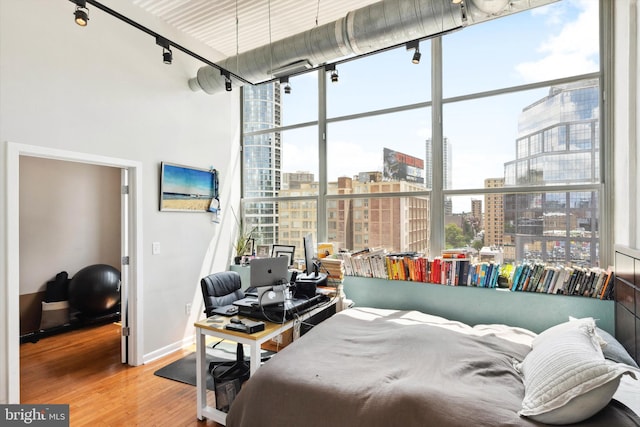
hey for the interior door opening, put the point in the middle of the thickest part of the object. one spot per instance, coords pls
(131, 271)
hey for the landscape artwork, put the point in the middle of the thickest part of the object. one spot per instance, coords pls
(184, 188)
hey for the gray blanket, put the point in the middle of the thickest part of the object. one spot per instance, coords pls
(372, 367)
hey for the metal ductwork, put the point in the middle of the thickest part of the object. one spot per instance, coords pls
(370, 28)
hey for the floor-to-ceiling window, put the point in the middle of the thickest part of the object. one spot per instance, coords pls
(514, 165)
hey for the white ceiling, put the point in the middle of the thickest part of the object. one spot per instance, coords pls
(213, 22)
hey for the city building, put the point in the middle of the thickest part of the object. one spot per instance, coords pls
(261, 168)
(493, 223)
(558, 143)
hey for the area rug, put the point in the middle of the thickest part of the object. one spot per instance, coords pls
(184, 370)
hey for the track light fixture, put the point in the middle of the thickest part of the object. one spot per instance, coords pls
(227, 80)
(287, 87)
(82, 13)
(334, 72)
(167, 55)
(415, 44)
(416, 56)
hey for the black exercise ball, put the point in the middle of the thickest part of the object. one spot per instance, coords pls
(95, 289)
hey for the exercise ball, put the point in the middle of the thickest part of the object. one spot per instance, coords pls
(95, 289)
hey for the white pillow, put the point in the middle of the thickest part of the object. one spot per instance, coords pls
(566, 376)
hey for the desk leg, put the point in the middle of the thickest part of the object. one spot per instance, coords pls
(201, 372)
(256, 358)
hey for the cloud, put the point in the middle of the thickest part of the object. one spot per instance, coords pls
(352, 158)
(572, 50)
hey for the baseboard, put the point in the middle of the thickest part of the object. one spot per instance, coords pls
(167, 350)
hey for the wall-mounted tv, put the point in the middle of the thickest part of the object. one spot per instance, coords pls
(185, 188)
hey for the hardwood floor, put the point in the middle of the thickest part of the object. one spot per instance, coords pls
(82, 368)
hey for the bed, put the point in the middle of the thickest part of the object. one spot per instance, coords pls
(376, 367)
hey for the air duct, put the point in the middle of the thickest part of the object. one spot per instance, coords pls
(370, 28)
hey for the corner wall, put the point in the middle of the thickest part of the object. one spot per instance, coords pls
(104, 90)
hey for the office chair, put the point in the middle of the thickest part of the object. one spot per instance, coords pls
(220, 289)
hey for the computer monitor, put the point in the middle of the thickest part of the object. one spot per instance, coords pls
(311, 267)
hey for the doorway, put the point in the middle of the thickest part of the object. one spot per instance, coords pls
(131, 238)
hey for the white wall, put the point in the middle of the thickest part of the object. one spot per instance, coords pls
(103, 90)
(69, 219)
(626, 125)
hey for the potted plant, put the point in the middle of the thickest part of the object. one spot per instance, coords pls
(243, 242)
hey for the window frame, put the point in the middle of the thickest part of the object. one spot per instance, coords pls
(438, 194)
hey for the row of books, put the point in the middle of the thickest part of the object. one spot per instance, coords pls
(587, 282)
(457, 270)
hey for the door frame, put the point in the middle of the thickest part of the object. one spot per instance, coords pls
(131, 314)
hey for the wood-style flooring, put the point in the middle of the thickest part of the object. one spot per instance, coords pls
(82, 368)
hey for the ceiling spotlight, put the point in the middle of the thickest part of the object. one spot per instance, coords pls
(167, 55)
(456, 1)
(416, 56)
(334, 72)
(415, 45)
(227, 80)
(287, 87)
(82, 13)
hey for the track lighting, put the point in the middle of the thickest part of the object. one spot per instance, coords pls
(227, 80)
(287, 87)
(415, 45)
(416, 56)
(82, 13)
(334, 72)
(167, 55)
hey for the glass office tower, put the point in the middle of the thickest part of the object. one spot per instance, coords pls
(261, 159)
(558, 143)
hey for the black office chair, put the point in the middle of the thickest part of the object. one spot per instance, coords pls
(220, 289)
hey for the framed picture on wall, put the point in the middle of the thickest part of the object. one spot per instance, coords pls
(187, 189)
(284, 250)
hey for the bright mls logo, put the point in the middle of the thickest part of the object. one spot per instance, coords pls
(34, 415)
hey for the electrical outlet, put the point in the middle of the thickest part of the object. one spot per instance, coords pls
(155, 248)
(277, 340)
(187, 309)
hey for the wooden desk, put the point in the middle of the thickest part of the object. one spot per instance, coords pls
(215, 326)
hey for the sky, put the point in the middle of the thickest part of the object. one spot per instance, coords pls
(553, 41)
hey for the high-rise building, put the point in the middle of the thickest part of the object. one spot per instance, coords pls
(297, 218)
(493, 223)
(558, 143)
(261, 159)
